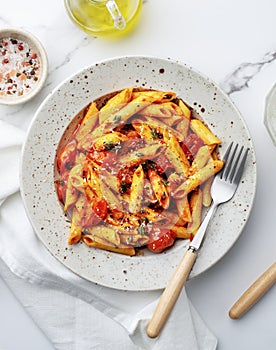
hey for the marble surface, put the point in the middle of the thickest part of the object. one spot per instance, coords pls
(233, 43)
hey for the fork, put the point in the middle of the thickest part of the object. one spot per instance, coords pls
(223, 189)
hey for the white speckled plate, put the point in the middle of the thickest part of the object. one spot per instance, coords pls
(37, 178)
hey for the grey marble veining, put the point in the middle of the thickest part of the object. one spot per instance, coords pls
(240, 78)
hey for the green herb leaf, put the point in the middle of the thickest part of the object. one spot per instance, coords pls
(116, 119)
(124, 187)
(108, 146)
(154, 133)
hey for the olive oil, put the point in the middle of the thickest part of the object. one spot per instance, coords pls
(103, 17)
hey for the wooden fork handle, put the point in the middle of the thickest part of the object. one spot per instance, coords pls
(254, 292)
(171, 293)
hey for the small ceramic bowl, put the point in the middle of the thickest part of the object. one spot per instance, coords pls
(23, 66)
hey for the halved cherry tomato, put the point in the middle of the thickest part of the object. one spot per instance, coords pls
(125, 175)
(67, 156)
(164, 240)
(98, 213)
(100, 208)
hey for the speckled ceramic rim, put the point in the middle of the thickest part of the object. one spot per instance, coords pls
(19, 33)
(150, 271)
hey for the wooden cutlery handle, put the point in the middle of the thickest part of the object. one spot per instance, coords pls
(254, 292)
(171, 293)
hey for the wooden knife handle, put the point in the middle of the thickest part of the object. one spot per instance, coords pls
(171, 293)
(254, 292)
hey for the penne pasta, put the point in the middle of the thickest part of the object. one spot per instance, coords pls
(88, 240)
(108, 141)
(204, 133)
(75, 230)
(136, 172)
(75, 184)
(201, 159)
(198, 178)
(141, 155)
(158, 96)
(206, 192)
(112, 200)
(175, 154)
(89, 122)
(183, 208)
(115, 103)
(185, 109)
(196, 209)
(136, 190)
(159, 189)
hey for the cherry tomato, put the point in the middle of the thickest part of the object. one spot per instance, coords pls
(98, 213)
(125, 175)
(67, 157)
(100, 208)
(164, 240)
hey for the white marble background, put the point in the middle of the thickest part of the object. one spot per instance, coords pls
(234, 43)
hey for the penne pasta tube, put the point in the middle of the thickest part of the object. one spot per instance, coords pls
(108, 141)
(141, 155)
(75, 230)
(88, 240)
(112, 199)
(115, 103)
(134, 240)
(183, 208)
(159, 188)
(144, 130)
(89, 122)
(93, 181)
(161, 110)
(196, 208)
(107, 233)
(151, 215)
(176, 154)
(185, 109)
(206, 192)
(204, 133)
(115, 119)
(160, 126)
(202, 157)
(74, 185)
(183, 127)
(136, 190)
(198, 178)
(171, 121)
(109, 179)
(158, 96)
(180, 232)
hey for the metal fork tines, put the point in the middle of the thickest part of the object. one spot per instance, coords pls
(233, 169)
(224, 185)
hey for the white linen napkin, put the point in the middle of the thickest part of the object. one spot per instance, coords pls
(75, 313)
